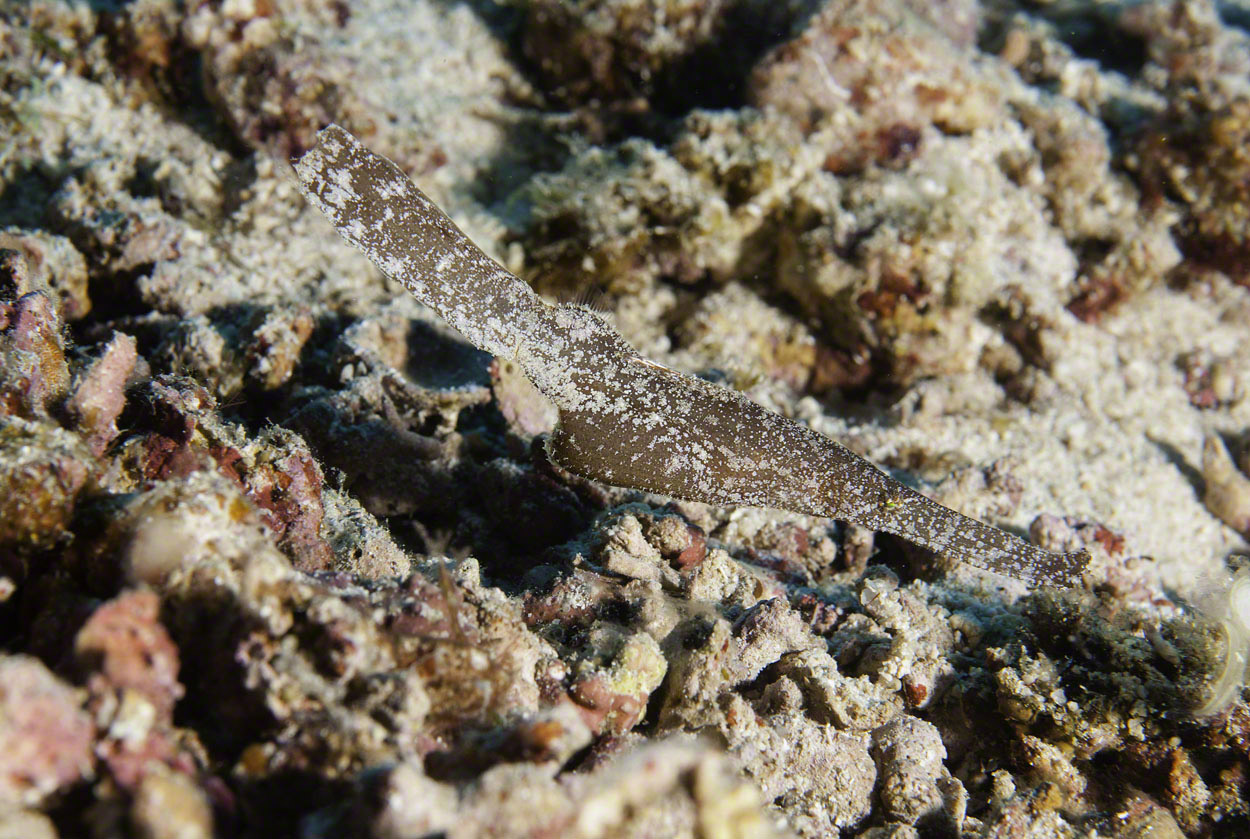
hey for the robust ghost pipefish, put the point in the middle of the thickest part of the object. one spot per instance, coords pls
(624, 420)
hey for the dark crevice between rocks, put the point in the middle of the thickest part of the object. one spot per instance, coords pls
(1089, 30)
(279, 803)
(616, 89)
(1235, 14)
(1100, 40)
(23, 203)
(723, 65)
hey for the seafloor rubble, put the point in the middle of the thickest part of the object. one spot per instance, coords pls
(281, 554)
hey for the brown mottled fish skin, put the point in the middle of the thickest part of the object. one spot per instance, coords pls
(625, 420)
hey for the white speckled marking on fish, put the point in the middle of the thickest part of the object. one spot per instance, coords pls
(623, 419)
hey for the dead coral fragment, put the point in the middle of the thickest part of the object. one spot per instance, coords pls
(33, 372)
(39, 261)
(872, 65)
(1227, 493)
(42, 471)
(614, 49)
(45, 738)
(625, 420)
(1200, 161)
(130, 668)
(909, 752)
(98, 399)
(125, 643)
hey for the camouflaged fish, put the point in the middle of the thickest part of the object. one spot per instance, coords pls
(625, 420)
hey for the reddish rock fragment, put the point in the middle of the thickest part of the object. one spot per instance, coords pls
(285, 482)
(429, 610)
(1052, 532)
(33, 372)
(278, 473)
(603, 710)
(172, 408)
(915, 692)
(614, 682)
(821, 616)
(124, 647)
(681, 542)
(98, 399)
(1112, 542)
(131, 668)
(45, 737)
(574, 599)
(181, 415)
(695, 552)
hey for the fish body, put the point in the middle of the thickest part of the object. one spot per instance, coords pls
(625, 420)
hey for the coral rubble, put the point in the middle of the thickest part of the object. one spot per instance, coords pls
(282, 554)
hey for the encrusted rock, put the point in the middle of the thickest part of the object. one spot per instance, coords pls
(45, 737)
(614, 686)
(401, 801)
(821, 778)
(167, 805)
(33, 372)
(47, 263)
(1227, 491)
(43, 469)
(1199, 158)
(909, 755)
(873, 65)
(854, 704)
(250, 57)
(614, 49)
(124, 647)
(275, 348)
(99, 396)
(25, 824)
(275, 469)
(117, 231)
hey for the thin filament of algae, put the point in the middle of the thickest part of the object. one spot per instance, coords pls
(625, 420)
